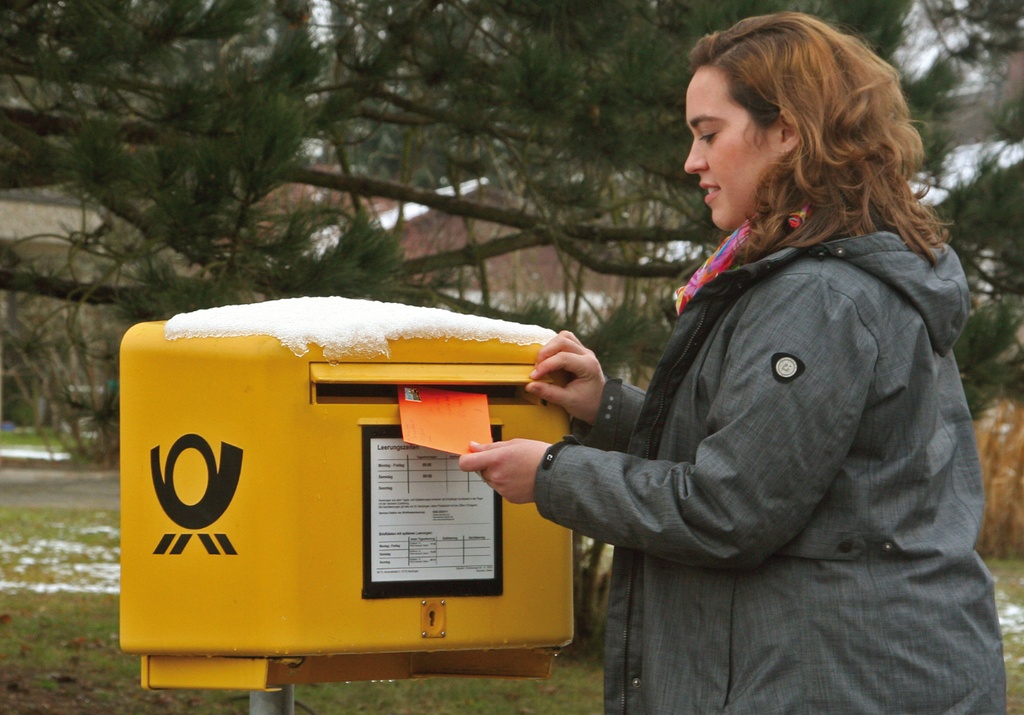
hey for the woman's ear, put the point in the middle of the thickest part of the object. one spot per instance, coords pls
(787, 137)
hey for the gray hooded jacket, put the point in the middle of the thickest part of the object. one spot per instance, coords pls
(795, 500)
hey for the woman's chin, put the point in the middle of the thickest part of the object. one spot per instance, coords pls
(728, 226)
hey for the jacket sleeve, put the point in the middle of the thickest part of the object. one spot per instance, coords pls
(620, 406)
(784, 406)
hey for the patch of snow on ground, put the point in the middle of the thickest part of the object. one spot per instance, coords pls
(61, 565)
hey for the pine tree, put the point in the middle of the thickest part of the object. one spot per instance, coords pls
(192, 126)
(976, 157)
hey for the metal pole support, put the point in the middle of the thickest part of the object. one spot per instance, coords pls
(279, 702)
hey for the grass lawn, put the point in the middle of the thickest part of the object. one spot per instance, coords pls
(1010, 600)
(59, 647)
(59, 653)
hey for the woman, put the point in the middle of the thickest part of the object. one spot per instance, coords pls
(795, 500)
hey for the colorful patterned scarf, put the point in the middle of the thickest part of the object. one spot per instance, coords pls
(722, 259)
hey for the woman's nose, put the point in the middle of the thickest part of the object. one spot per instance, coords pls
(695, 161)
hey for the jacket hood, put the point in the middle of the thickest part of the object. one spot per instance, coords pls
(939, 292)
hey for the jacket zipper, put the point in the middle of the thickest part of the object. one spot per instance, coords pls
(647, 455)
(625, 631)
(663, 396)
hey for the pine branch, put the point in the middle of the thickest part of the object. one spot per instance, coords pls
(471, 308)
(628, 269)
(438, 116)
(473, 254)
(365, 186)
(61, 289)
(42, 124)
(455, 206)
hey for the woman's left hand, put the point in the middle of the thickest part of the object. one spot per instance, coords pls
(510, 468)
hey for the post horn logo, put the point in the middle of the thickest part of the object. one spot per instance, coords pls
(220, 490)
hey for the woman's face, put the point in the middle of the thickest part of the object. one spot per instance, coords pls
(730, 152)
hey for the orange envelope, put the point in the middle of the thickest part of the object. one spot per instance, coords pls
(447, 420)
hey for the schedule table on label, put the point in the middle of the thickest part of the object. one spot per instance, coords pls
(429, 519)
(423, 475)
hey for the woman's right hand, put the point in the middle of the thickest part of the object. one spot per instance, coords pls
(565, 357)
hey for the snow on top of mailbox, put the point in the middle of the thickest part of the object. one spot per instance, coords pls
(344, 326)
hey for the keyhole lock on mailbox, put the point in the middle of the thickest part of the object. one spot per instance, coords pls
(432, 618)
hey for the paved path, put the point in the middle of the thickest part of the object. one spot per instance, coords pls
(65, 487)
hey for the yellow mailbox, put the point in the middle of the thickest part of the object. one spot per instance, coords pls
(276, 529)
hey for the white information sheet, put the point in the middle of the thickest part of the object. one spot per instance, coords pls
(429, 520)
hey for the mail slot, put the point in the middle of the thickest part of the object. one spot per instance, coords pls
(276, 528)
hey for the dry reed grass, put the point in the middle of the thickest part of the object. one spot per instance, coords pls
(1000, 433)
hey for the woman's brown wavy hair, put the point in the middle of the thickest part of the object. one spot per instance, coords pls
(858, 149)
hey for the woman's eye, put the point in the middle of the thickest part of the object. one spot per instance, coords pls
(706, 138)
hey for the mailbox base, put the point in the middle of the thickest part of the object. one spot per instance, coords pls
(229, 673)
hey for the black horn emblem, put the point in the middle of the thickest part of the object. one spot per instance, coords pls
(220, 486)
